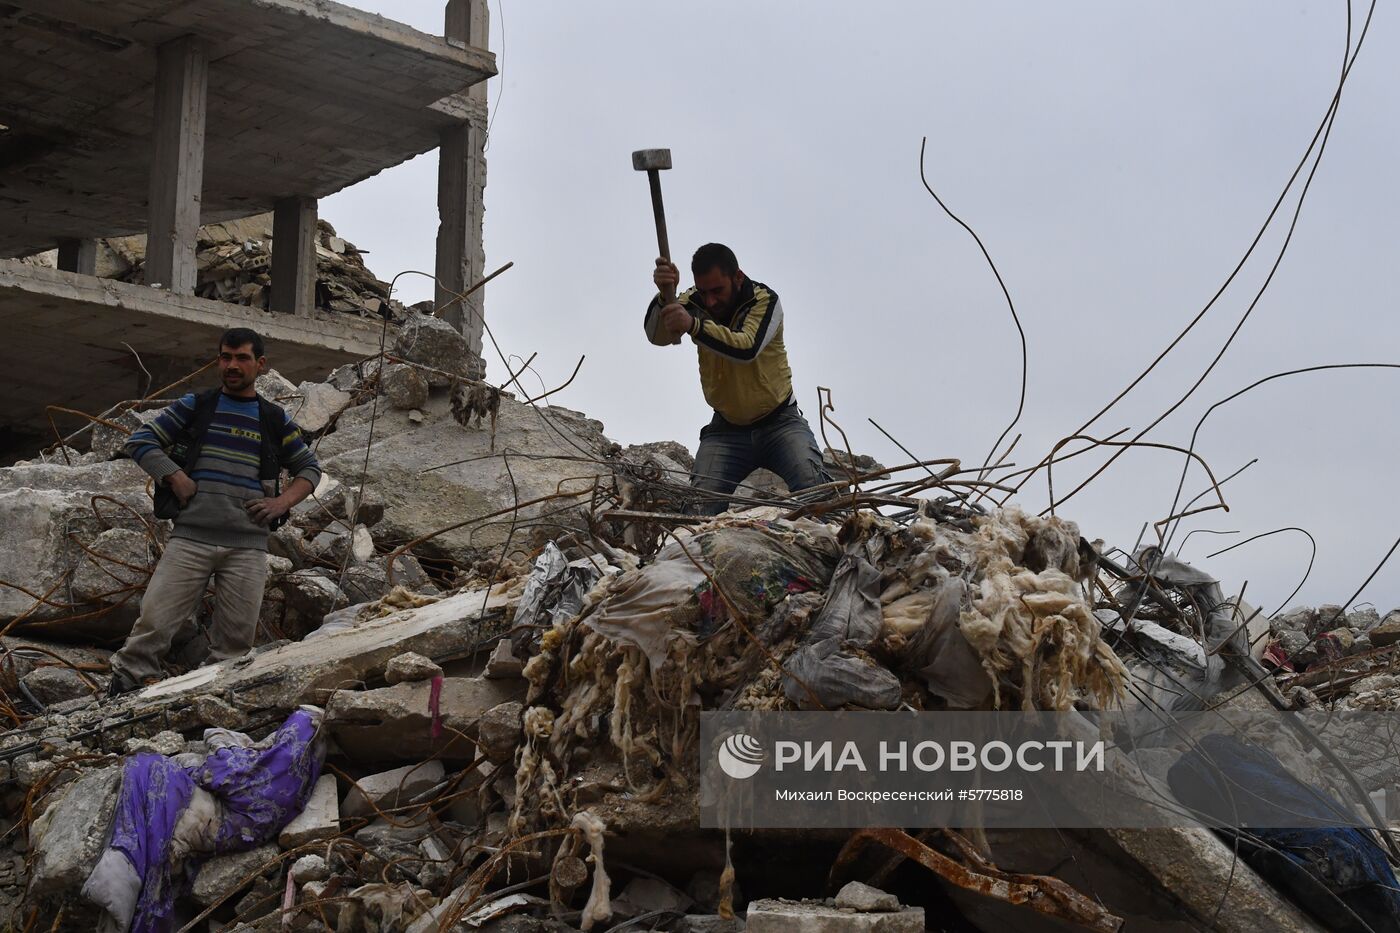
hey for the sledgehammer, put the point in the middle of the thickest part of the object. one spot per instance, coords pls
(653, 161)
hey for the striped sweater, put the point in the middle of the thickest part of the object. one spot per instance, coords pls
(227, 470)
(744, 368)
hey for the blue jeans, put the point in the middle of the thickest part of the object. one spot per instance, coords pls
(781, 442)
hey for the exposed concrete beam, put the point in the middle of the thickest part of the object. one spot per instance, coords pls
(177, 163)
(294, 256)
(78, 256)
(461, 257)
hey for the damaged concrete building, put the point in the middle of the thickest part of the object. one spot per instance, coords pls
(148, 120)
(482, 657)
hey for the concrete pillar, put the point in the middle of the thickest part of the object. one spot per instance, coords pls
(177, 164)
(294, 256)
(78, 256)
(461, 257)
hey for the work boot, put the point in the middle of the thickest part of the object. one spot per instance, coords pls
(120, 684)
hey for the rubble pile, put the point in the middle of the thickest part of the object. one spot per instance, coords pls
(235, 261)
(483, 652)
(1347, 660)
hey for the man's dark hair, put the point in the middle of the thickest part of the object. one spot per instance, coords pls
(714, 256)
(236, 337)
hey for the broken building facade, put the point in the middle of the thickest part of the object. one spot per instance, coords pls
(138, 118)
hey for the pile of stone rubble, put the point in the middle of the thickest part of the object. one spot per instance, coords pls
(235, 261)
(1350, 660)
(504, 632)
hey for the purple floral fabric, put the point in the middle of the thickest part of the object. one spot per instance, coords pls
(260, 789)
(155, 791)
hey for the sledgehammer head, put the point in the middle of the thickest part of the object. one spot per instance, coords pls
(648, 160)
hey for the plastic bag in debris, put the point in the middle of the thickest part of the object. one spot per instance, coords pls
(695, 584)
(1226, 619)
(830, 669)
(935, 648)
(1340, 875)
(1170, 671)
(557, 587)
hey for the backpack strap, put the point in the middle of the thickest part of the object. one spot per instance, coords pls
(273, 426)
(185, 450)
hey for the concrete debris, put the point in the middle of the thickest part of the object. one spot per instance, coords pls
(513, 627)
(783, 916)
(388, 789)
(405, 387)
(410, 666)
(226, 875)
(319, 820)
(440, 350)
(865, 899)
(235, 262)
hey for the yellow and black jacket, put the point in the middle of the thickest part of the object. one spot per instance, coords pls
(743, 365)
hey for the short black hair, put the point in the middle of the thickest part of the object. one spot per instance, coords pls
(714, 256)
(236, 337)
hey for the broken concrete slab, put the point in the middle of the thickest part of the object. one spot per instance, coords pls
(499, 731)
(69, 837)
(319, 819)
(780, 916)
(503, 664)
(308, 671)
(404, 386)
(53, 684)
(421, 495)
(317, 406)
(708, 923)
(396, 723)
(1387, 632)
(1193, 865)
(225, 875)
(435, 344)
(389, 789)
(46, 509)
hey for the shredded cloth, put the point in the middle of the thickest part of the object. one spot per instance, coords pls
(1029, 615)
(434, 701)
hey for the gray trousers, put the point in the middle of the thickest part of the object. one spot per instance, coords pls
(173, 595)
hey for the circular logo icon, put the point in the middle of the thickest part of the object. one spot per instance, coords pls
(740, 756)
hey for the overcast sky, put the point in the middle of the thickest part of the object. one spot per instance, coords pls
(1116, 158)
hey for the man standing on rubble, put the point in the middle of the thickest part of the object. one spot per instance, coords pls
(216, 458)
(736, 325)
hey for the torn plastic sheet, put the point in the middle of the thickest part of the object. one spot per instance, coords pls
(830, 669)
(695, 583)
(557, 588)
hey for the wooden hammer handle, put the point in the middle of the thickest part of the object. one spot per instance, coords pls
(663, 244)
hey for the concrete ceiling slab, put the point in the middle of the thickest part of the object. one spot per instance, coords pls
(305, 98)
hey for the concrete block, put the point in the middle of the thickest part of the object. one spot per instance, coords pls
(708, 923)
(319, 820)
(388, 789)
(224, 875)
(410, 667)
(69, 837)
(865, 899)
(778, 916)
(395, 723)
